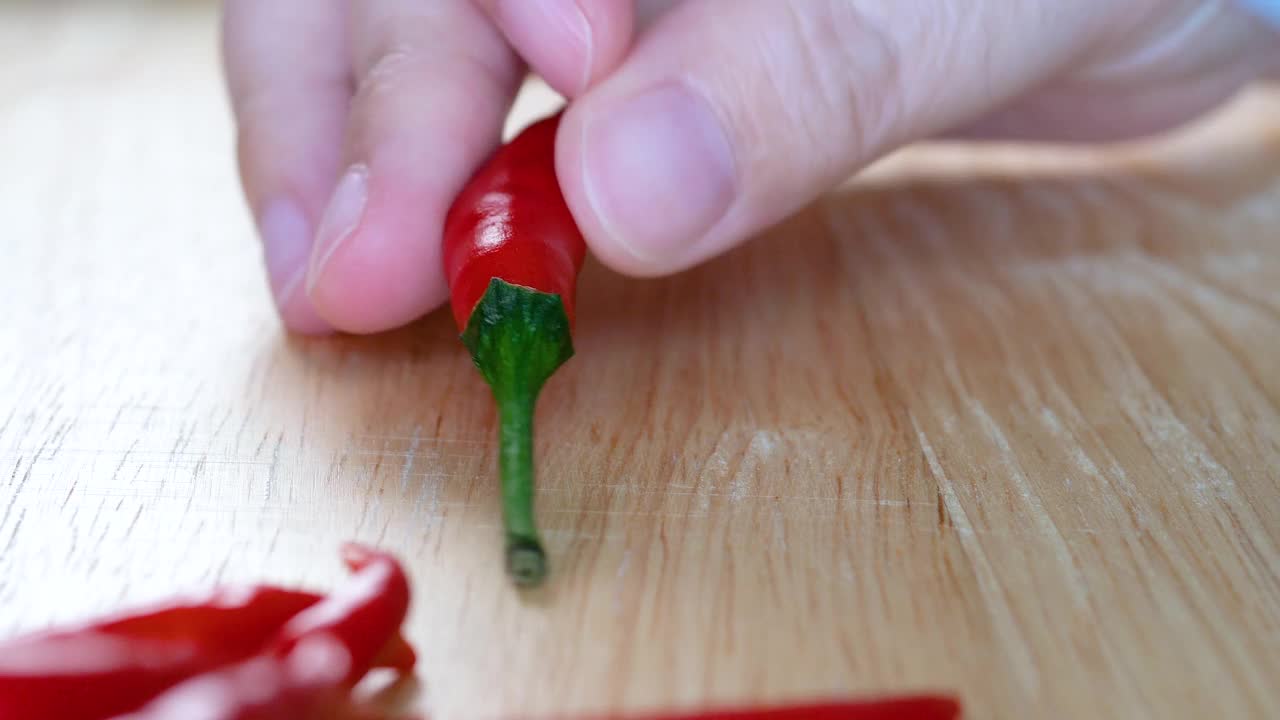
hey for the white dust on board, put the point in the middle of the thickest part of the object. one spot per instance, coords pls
(714, 470)
(426, 507)
(407, 470)
(721, 477)
(760, 449)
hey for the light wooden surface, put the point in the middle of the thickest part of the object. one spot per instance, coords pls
(1004, 422)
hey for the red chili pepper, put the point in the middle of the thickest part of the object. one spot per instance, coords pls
(510, 222)
(116, 664)
(512, 254)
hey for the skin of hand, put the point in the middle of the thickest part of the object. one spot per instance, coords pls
(692, 125)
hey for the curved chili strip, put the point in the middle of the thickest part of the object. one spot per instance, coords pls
(100, 669)
(364, 615)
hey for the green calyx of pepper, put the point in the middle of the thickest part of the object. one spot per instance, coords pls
(518, 337)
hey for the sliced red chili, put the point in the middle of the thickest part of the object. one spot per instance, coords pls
(103, 668)
(267, 649)
(364, 615)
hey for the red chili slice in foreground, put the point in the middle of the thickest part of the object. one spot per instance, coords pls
(223, 653)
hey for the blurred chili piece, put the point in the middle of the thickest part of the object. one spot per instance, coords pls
(120, 663)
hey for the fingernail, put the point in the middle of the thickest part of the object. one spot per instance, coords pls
(340, 220)
(563, 25)
(658, 172)
(286, 245)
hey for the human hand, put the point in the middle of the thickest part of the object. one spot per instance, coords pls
(693, 124)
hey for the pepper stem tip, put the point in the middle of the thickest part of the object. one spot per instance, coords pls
(526, 562)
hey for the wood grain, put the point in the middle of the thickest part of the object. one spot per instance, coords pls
(1001, 420)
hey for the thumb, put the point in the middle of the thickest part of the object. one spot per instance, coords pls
(726, 118)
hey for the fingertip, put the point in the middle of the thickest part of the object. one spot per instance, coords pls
(286, 245)
(289, 101)
(569, 174)
(299, 315)
(612, 25)
(569, 43)
(306, 323)
(600, 236)
(722, 121)
(434, 82)
(554, 36)
(370, 297)
(369, 271)
(648, 177)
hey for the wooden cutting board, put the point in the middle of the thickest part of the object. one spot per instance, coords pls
(1004, 421)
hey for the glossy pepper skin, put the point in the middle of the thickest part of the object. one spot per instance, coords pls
(364, 615)
(512, 254)
(110, 666)
(511, 222)
(307, 668)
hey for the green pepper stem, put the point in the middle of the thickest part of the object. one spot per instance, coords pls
(518, 337)
(526, 560)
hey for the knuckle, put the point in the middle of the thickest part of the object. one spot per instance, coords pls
(854, 70)
(393, 64)
(405, 51)
(426, 71)
(393, 80)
